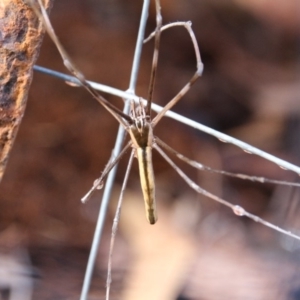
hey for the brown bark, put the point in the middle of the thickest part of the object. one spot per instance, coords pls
(20, 38)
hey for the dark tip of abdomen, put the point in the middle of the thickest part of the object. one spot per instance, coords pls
(151, 217)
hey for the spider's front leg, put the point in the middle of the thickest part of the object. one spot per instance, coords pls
(199, 66)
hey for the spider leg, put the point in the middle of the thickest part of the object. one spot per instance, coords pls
(41, 12)
(115, 225)
(98, 183)
(238, 210)
(202, 167)
(197, 74)
(157, 34)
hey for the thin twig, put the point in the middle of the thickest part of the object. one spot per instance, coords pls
(116, 151)
(191, 123)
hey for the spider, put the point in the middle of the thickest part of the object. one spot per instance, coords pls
(139, 125)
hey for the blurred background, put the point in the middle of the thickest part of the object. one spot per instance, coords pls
(198, 249)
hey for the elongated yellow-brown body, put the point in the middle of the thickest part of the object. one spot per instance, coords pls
(144, 156)
(142, 138)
